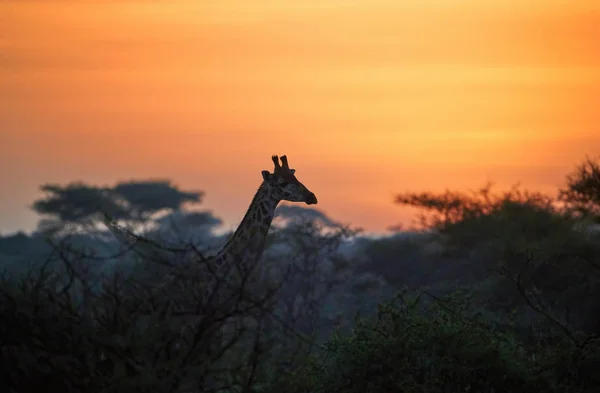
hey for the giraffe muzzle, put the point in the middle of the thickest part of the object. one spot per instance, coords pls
(311, 199)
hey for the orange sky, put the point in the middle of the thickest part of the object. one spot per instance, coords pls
(366, 97)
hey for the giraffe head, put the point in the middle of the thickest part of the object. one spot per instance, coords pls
(284, 185)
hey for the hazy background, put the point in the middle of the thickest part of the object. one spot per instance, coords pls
(367, 98)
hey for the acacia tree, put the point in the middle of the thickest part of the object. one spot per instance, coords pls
(488, 229)
(132, 201)
(581, 194)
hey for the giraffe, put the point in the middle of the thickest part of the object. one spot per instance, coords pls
(245, 247)
(241, 253)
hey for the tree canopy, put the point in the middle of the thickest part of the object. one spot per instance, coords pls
(582, 192)
(133, 200)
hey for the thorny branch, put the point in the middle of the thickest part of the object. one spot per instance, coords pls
(72, 327)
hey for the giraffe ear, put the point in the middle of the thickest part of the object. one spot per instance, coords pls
(266, 175)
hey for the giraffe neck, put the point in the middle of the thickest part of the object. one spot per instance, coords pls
(248, 241)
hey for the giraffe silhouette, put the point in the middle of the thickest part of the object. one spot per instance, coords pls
(240, 255)
(244, 249)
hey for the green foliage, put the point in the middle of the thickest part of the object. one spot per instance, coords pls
(524, 234)
(418, 346)
(410, 349)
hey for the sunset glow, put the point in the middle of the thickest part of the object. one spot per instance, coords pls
(366, 97)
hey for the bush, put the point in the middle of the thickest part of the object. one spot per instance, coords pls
(434, 346)
(66, 328)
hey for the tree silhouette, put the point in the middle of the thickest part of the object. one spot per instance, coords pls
(143, 198)
(582, 192)
(78, 202)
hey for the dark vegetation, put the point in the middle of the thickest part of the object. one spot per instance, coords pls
(491, 292)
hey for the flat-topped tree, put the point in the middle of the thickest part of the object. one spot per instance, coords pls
(133, 201)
